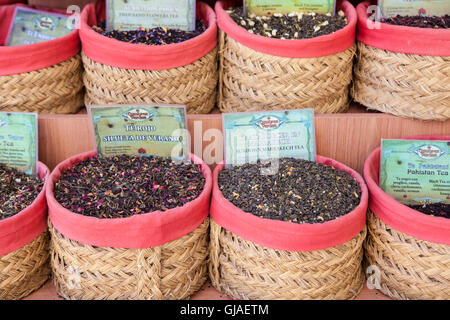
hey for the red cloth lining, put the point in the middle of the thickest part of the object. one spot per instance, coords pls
(283, 235)
(137, 232)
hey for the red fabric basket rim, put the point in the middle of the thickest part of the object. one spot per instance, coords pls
(294, 237)
(12, 225)
(402, 39)
(91, 38)
(47, 48)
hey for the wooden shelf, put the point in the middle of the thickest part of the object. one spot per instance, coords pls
(347, 137)
(48, 292)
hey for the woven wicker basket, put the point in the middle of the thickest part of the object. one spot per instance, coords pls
(173, 271)
(255, 81)
(193, 85)
(406, 85)
(56, 89)
(245, 270)
(410, 268)
(25, 270)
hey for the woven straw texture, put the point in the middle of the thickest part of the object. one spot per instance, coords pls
(410, 268)
(56, 89)
(25, 270)
(173, 271)
(245, 270)
(406, 85)
(255, 81)
(193, 85)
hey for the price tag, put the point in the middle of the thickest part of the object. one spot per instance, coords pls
(416, 171)
(158, 130)
(31, 26)
(18, 141)
(390, 8)
(132, 15)
(269, 135)
(269, 7)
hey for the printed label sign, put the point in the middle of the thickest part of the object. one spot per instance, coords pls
(18, 141)
(132, 15)
(140, 130)
(269, 135)
(390, 8)
(269, 7)
(31, 26)
(416, 172)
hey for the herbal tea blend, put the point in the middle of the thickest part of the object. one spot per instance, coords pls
(434, 22)
(301, 192)
(434, 209)
(296, 25)
(18, 191)
(156, 36)
(123, 186)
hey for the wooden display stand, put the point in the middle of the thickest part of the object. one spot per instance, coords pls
(348, 138)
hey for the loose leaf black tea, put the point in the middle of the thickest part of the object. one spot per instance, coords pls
(419, 21)
(156, 36)
(434, 209)
(124, 186)
(289, 26)
(301, 192)
(18, 191)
